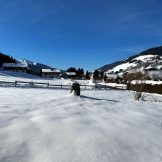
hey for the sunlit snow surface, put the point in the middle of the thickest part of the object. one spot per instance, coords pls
(127, 65)
(38, 125)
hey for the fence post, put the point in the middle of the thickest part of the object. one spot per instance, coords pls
(61, 85)
(85, 87)
(31, 83)
(15, 83)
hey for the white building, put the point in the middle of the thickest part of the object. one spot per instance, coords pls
(17, 67)
(50, 73)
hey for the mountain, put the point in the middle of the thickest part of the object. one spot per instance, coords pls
(34, 67)
(151, 56)
(109, 66)
(154, 51)
(6, 59)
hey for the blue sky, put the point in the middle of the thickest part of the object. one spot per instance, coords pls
(80, 33)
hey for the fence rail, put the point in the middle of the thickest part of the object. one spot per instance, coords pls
(105, 86)
(31, 84)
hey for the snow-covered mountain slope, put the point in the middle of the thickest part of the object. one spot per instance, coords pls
(34, 67)
(139, 62)
(151, 57)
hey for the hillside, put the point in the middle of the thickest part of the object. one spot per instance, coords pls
(156, 51)
(32, 66)
(35, 67)
(6, 59)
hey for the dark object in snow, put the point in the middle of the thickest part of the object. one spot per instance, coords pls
(75, 89)
(117, 80)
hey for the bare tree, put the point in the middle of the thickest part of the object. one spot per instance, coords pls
(135, 81)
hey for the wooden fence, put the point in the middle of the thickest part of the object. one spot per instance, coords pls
(26, 84)
(117, 87)
(31, 84)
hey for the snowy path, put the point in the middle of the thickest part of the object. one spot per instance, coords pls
(101, 126)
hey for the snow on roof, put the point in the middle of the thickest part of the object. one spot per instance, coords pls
(24, 65)
(70, 73)
(56, 70)
(50, 70)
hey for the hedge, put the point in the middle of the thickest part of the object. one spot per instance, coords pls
(157, 88)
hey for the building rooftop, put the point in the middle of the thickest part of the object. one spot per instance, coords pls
(23, 65)
(51, 71)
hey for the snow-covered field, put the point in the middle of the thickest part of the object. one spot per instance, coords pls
(20, 76)
(39, 125)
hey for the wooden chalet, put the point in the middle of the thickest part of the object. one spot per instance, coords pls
(16, 67)
(50, 73)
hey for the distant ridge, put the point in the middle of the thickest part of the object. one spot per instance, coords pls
(152, 51)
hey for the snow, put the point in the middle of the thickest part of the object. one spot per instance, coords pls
(92, 82)
(124, 66)
(71, 73)
(20, 76)
(159, 67)
(51, 70)
(100, 126)
(155, 74)
(24, 65)
(127, 66)
(152, 82)
(114, 85)
(146, 58)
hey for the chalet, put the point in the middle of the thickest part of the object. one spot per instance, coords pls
(16, 67)
(50, 73)
(70, 75)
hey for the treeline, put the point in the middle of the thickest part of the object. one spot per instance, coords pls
(97, 75)
(80, 73)
(6, 59)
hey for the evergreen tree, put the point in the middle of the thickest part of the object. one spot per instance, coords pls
(87, 76)
(105, 78)
(82, 72)
(72, 69)
(6, 59)
(78, 72)
(96, 75)
(101, 75)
